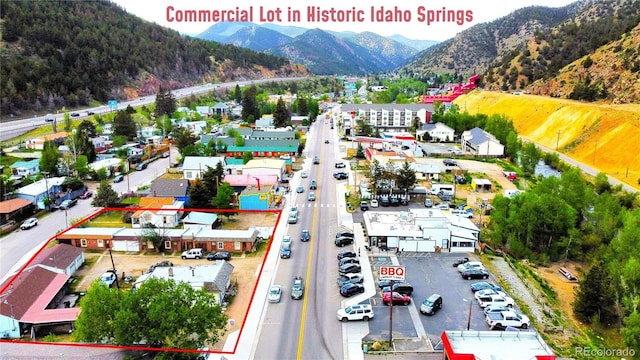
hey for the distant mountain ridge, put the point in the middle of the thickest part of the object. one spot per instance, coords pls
(373, 52)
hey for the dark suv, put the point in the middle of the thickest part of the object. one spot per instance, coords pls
(400, 287)
(343, 241)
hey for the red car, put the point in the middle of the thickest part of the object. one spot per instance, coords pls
(398, 299)
(87, 194)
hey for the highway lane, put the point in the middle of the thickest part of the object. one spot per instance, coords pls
(15, 128)
(19, 247)
(307, 328)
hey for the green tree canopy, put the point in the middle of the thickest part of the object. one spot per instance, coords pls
(281, 117)
(225, 195)
(160, 313)
(165, 102)
(49, 159)
(123, 125)
(183, 137)
(200, 195)
(105, 196)
(250, 104)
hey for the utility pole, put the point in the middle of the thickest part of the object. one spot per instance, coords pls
(558, 139)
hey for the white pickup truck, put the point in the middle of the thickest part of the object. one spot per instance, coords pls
(503, 319)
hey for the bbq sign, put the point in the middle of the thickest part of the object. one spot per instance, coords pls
(392, 273)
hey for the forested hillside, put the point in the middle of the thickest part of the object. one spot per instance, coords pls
(67, 53)
(549, 51)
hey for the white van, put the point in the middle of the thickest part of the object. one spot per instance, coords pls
(195, 253)
(436, 188)
(356, 312)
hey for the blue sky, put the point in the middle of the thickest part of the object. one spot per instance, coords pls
(414, 24)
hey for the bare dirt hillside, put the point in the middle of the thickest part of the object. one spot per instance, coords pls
(603, 136)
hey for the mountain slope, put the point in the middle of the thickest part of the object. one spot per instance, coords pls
(222, 30)
(256, 38)
(323, 53)
(416, 44)
(392, 51)
(597, 24)
(69, 53)
(473, 50)
(614, 68)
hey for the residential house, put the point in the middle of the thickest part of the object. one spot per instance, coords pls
(38, 142)
(158, 212)
(421, 230)
(264, 123)
(61, 258)
(197, 220)
(23, 168)
(15, 210)
(112, 165)
(273, 135)
(196, 127)
(141, 239)
(297, 119)
(35, 303)
(148, 131)
(221, 109)
(36, 192)
(214, 279)
(204, 111)
(481, 143)
(194, 166)
(178, 189)
(437, 131)
(427, 171)
(99, 143)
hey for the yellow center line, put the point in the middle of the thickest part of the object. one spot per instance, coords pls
(312, 233)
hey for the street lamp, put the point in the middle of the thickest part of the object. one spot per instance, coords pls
(469, 316)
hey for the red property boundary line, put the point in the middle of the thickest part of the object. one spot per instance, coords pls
(140, 348)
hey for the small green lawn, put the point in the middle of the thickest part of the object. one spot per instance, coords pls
(108, 219)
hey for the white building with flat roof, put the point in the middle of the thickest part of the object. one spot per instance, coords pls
(495, 345)
(421, 230)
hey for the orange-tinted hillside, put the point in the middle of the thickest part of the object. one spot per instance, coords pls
(611, 131)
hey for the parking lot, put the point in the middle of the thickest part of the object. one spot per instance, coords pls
(429, 274)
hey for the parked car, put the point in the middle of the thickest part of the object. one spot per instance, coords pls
(504, 319)
(384, 202)
(326, 141)
(495, 300)
(118, 178)
(399, 287)
(364, 206)
(349, 269)
(29, 223)
(67, 204)
(482, 285)
(345, 254)
(141, 166)
(286, 240)
(195, 253)
(297, 288)
(488, 292)
(470, 265)
(348, 260)
(165, 154)
(373, 203)
(343, 241)
(474, 274)
(108, 278)
(394, 201)
(496, 309)
(275, 293)
(428, 203)
(351, 289)
(460, 261)
(350, 278)
(356, 312)
(432, 304)
(397, 298)
(87, 194)
(344, 233)
(305, 236)
(220, 255)
(74, 114)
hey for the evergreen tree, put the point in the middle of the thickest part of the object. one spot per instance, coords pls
(200, 195)
(123, 125)
(237, 95)
(183, 137)
(84, 146)
(595, 297)
(212, 178)
(303, 109)
(49, 159)
(87, 127)
(406, 179)
(281, 117)
(165, 102)
(250, 104)
(224, 197)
